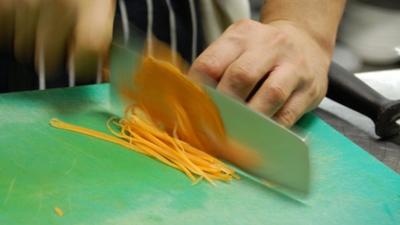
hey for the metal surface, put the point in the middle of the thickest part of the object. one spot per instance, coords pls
(283, 156)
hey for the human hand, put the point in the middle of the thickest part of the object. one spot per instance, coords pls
(51, 31)
(277, 69)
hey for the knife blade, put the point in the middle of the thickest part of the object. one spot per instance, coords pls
(283, 155)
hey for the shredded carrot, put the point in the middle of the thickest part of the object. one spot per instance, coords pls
(158, 144)
(58, 211)
(170, 119)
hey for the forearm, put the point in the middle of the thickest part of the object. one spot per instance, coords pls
(320, 18)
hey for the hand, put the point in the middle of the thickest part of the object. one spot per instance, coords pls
(56, 30)
(277, 69)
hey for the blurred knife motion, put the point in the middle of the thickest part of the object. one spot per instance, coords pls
(263, 150)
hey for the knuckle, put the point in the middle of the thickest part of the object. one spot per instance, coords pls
(207, 65)
(281, 37)
(243, 25)
(306, 76)
(307, 80)
(241, 74)
(236, 39)
(277, 94)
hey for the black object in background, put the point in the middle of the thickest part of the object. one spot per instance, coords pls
(348, 90)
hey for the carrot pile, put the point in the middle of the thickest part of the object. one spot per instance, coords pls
(142, 136)
(178, 130)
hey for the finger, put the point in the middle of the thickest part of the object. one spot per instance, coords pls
(56, 20)
(26, 17)
(92, 37)
(7, 11)
(213, 61)
(242, 75)
(294, 108)
(275, 91)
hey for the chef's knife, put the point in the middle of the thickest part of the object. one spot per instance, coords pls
(284, 156)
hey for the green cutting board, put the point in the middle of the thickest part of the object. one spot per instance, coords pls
(95, 182)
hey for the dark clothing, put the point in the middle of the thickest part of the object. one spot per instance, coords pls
(17, 77)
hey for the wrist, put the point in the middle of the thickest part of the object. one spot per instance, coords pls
(326, 43)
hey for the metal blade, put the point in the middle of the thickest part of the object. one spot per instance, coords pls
(284, 155)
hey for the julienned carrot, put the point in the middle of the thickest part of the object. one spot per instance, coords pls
(142, 136)
(67, 126)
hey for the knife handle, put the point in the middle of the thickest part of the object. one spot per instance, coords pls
(346, 89)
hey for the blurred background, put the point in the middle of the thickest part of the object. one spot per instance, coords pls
(369, 35)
